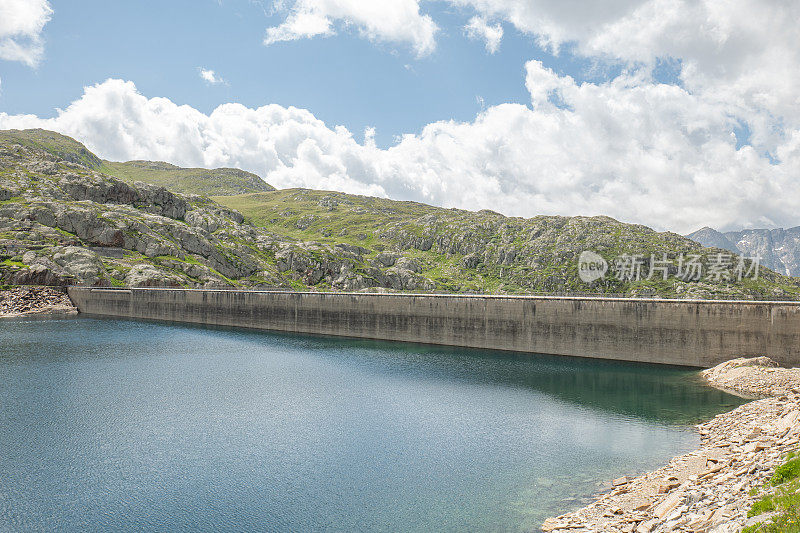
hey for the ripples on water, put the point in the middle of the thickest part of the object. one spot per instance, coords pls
(111, 425)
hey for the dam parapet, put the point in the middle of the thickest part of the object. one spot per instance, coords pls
(697, 333)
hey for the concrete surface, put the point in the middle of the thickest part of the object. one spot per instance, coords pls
(695, 333)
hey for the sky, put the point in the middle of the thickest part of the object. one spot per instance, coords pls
(675, 114)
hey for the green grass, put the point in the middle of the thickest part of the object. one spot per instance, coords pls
(786, 472)
(160, 258)
(785, 500)
(53, 143)
(340, 218)
(202, 181)
(765, 504)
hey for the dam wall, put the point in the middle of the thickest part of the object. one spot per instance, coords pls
(698, 333)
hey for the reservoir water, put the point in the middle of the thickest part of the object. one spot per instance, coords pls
(110, 425)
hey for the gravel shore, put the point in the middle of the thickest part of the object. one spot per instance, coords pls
(27, 301)
(709, 489)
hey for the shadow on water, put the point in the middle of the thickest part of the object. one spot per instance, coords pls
(617, 387)
(623, 388)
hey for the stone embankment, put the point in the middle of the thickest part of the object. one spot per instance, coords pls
(754, 377)
(26, 301)
(710, 489)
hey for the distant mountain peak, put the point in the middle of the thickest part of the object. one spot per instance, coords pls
(779, 249)
(713, 239)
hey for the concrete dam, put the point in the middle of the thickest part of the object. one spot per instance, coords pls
(697, 333)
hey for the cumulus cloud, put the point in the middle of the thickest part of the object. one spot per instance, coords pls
(477, 28)
(736, 65)
(211, 77)
(633, 149)
(288, 146)
(21, 25)
(398, 21)
(630, 148)
(742, 52)
(299, 25)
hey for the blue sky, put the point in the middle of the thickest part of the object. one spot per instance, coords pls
(676, 114)
(343, 79)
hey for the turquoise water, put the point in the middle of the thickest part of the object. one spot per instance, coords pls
(118, 425)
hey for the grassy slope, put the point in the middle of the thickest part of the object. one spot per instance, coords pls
(53, 143)
(202, 181)
(331, 216)
(546, 247)
(784, 500)
(205, 182)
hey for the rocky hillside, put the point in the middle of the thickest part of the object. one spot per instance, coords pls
(779, 249)
(64, 220)
(487, 252)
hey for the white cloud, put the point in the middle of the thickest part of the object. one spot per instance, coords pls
(743, 53)
(289, 146)
(662, 155)
(21, 25)
(211, 77)
(369, 136)
(478, 28)
(737, 58)
(398, 21)
(630, 148)
(299, 25)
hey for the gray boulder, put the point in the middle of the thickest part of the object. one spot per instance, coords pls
(471, 261)
(387, 259)
(146, 275)
(403, 279)
(80, 263)
(406, 263)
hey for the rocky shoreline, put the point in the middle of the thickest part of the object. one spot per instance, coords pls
(27, 301)
(712, 488)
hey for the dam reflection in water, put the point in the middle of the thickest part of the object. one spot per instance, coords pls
(109, 425)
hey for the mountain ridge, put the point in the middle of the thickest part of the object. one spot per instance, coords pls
(779, 249)
(63, 220)
(202, 181)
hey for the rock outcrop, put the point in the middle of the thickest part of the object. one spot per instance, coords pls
(62, 222)
(713, 239)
